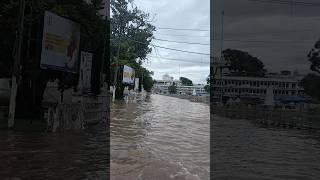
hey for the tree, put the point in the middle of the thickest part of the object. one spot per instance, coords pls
(207, 86)
(314, 57)
(172, 89)
(147, 81)
(243, 63)
(185, 81)
(311, 82)
(311, 85)
(131, 35)
(93, 29)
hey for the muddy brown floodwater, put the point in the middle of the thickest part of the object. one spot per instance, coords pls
(81, 154)
(244, 150)
(160, 138)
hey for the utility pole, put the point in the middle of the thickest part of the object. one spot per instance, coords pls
(16, 66)
(116, 69)
(104, 45)
(221, 54)
(292, 7)
(179, 73)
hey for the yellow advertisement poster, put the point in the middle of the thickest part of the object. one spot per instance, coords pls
(60, 43)
(128, 75)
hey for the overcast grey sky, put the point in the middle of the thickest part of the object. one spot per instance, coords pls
(281, 35)
(181, 14)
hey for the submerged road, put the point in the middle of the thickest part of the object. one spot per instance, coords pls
(243, 150)
(81, 154)
(160, 138)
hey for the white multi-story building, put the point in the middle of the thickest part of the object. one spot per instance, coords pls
(237, 86)
(197, 89)
(161, 86)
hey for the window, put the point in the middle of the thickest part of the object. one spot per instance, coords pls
(294, 85)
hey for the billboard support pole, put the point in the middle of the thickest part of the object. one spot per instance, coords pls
(116, 71)
(16, 67)
(104, 51)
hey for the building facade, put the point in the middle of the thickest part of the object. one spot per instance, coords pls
(237, 86)
(162, 87)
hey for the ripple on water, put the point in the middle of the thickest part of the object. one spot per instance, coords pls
(172, 134)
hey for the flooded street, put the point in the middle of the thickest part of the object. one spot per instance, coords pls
(79, 154)
(243, 150)
(160, 137)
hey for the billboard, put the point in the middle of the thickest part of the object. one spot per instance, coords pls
(60, 43)
(128, 75)
(85, 70)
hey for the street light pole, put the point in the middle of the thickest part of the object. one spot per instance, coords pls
(16, 66)
(221, 54)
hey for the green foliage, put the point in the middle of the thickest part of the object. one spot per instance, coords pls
(314, 57)
(243, 63)
(207, 87)
(92, 25)
(311, 85)
(147, 81)
(131, 34)
(185, 81)
(311, 82)
(93, 32)
(172, 89)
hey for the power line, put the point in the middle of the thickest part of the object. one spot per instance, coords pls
(180, 35)
(182, 42)
(266, 41)
(288, 2)
(277, 32)
(181, 60)
(181, 29)
(172, 49)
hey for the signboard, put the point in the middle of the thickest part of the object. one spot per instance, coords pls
(136, 84)
(85, 70)
(60, 43)
(128, 75)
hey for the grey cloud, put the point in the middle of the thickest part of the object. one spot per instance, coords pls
(250, 21)
(179, 14)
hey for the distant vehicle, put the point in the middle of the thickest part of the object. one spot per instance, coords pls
(4, 91)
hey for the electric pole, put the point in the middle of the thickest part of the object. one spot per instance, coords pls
(221, 54)
(116, 69)
(16, 67)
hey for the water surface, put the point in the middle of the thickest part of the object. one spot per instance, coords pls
(81, 154)
(243, 150)
(160, 137)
